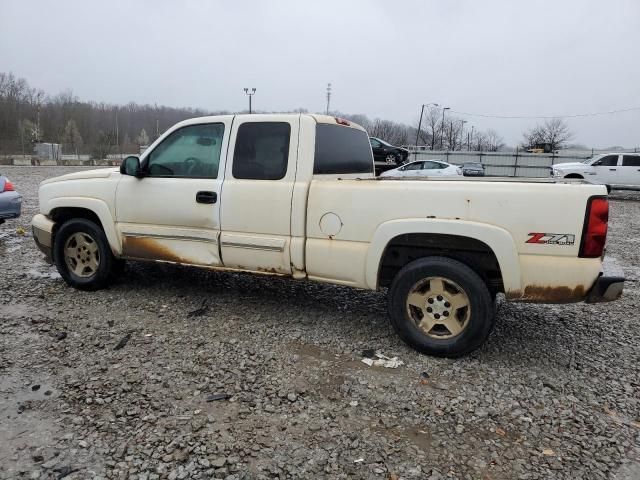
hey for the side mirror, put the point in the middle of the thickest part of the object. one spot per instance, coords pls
(131, 166)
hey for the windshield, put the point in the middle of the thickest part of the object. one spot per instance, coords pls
(386, 144)
(592, 159)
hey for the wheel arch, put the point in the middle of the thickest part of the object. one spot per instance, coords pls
(470, 242)
(64, 209)
(574, 175)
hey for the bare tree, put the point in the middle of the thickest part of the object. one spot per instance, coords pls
(104, 144)
(554, 132)
(494, 142)
(71, 137)
(143, 138)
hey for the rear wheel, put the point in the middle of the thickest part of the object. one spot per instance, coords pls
(441, 307)
(391, 158)
(82, 255)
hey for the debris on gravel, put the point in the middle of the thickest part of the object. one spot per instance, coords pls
(553, 394)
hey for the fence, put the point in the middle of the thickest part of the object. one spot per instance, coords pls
(502, 164)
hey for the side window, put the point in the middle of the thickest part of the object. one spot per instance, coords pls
(430, 166)
(631, 160)
(341, 149)
(262, 151)
(191, 152)
(375, 143)
(608, 161)
(415, 166)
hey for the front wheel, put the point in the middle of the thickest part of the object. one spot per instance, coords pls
(440, 307)
(391, 159)
(82, 255)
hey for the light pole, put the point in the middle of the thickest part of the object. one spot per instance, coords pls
(250, 94)
(462, 133)
(420, 123)
(442, 127)
(470, 139)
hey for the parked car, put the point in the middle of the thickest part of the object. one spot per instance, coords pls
(385, 152)
(473, 169)
(424, 168)
(615, 170)
(10, 200)
(295, 196)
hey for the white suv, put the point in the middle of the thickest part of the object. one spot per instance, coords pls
(615, 170)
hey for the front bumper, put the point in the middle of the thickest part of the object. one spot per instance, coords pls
(43, 235)
(609, 284)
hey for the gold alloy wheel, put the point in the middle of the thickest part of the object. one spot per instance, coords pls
(81, 254)
(439, 307)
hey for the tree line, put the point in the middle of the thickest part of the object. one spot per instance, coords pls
(28, 115)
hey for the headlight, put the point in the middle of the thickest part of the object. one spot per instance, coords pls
(556, 173)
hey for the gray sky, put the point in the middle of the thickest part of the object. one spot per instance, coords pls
(384, 58)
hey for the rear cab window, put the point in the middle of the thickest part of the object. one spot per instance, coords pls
(342, 150)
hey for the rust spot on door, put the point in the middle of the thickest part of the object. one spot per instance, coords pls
(149, 249)
(542, 294)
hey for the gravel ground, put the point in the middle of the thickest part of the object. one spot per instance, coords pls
(553, 394)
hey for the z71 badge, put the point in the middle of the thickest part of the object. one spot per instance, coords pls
(552, 238)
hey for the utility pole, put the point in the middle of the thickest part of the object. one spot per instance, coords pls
(420, 124)
(442, 128)
(470, 138)
(328, 97)
(117, 132)
(250, 94)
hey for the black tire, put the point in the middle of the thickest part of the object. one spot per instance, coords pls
(101, 275)
(481, 307)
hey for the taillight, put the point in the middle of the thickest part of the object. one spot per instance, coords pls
(594, 234)
(8, 186)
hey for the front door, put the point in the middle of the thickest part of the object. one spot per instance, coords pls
(173, 212)
(257, 194)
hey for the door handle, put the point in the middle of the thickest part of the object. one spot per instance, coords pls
(206, 197)
(612, 169)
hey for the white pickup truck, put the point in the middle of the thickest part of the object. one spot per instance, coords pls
(615, 170)
(295, 195)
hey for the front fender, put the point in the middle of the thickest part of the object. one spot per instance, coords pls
(100, 208)
(498, 239)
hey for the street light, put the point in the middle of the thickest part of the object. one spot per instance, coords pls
(442, 128)
(462, 133)
(470, 139)
(250, 94)
(420, 123)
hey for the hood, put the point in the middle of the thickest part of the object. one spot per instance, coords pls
(571, 165)
(83, 175)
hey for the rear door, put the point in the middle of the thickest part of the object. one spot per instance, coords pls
(629, 171)
(257, 192)
(606, 170)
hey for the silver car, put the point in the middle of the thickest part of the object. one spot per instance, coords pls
(10, 200)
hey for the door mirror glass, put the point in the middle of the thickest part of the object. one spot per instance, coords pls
(131, 166)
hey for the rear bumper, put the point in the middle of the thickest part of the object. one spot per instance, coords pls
(609, 285)
(43, 235)
(10, 205)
